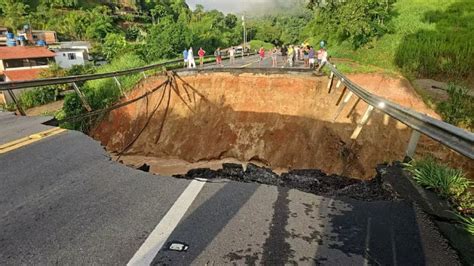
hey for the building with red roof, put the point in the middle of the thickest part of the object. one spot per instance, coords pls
(20, 63)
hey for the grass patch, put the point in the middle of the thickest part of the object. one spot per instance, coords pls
(348, 67)
(459, 108)
(37, 96)
(468, 223)
(447, 182)
(256, 44)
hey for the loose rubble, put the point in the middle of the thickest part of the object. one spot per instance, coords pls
(308, 180)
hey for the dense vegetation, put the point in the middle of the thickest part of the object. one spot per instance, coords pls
(154, 30)
(418, 38)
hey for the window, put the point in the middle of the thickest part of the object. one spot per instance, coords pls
(40, 62)
(12, 63)
(71, 56)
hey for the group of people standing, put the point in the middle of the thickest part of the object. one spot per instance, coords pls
(293, 53)
(189, 60)
(188, 56)
(290, 56)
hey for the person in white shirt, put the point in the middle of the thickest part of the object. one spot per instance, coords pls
(232, 55)
(191, 62)
(324, 59)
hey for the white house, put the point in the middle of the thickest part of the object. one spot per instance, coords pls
(66, 58)
(69, 54)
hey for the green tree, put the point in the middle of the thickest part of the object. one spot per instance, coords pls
(100, 23)
(114, 44)
(357, 21)
(62, 3)
(166, 39)
(14, 13)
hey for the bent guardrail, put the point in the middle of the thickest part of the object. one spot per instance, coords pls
(11, 86)
(453, 137)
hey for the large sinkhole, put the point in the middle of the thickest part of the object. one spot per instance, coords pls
(281, 121)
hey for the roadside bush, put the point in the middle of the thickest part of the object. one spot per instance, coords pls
(256, 44)
(468, 223)
(101, 93)
(448, 182)
(37, 96)
(459, 108)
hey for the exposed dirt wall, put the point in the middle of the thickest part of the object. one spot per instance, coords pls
(283, 121)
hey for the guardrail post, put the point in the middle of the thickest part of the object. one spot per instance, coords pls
(353, 108)
(341, 107)
(85, 104)
(342, 95)
(415, 137)
(362, 122)
(120, 87)
(331, 80)
(144, 74)
(339, 83)
(17, 104)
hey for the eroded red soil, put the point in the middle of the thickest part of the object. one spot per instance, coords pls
(282, 121)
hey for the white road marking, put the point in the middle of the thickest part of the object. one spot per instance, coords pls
(157, 238)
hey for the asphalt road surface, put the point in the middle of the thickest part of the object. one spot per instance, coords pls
(64, 201)
(254, 62)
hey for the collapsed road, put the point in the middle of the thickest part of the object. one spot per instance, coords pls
(65, 199)
(70, 203)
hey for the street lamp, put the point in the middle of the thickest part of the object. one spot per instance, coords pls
(245, 36)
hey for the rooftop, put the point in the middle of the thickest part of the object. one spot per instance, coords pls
(24, 74)
(21, 52)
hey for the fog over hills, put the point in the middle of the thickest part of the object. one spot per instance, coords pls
(254, 7)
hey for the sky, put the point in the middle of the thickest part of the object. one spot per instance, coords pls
(237, 6)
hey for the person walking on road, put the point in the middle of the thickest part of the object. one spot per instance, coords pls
(261, 54)
(191, 62)
(232, 55)
(185, 56)
(320, 56)
(297, 54)
(311, 55)
(284, 54)
(291, 55)
(274, 57)
(306, 56)
(324, 59)
(201, 54)
(218, 55)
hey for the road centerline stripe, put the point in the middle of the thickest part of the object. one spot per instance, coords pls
(13, 145)
(155, 241)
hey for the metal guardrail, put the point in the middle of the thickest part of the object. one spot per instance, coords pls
(455, 138)
(5, 86)
(16, 85)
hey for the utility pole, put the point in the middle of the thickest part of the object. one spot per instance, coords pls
(245, 36)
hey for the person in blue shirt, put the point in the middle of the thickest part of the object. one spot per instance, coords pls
(185, 55)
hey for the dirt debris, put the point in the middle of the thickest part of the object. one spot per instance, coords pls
(308, 180)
